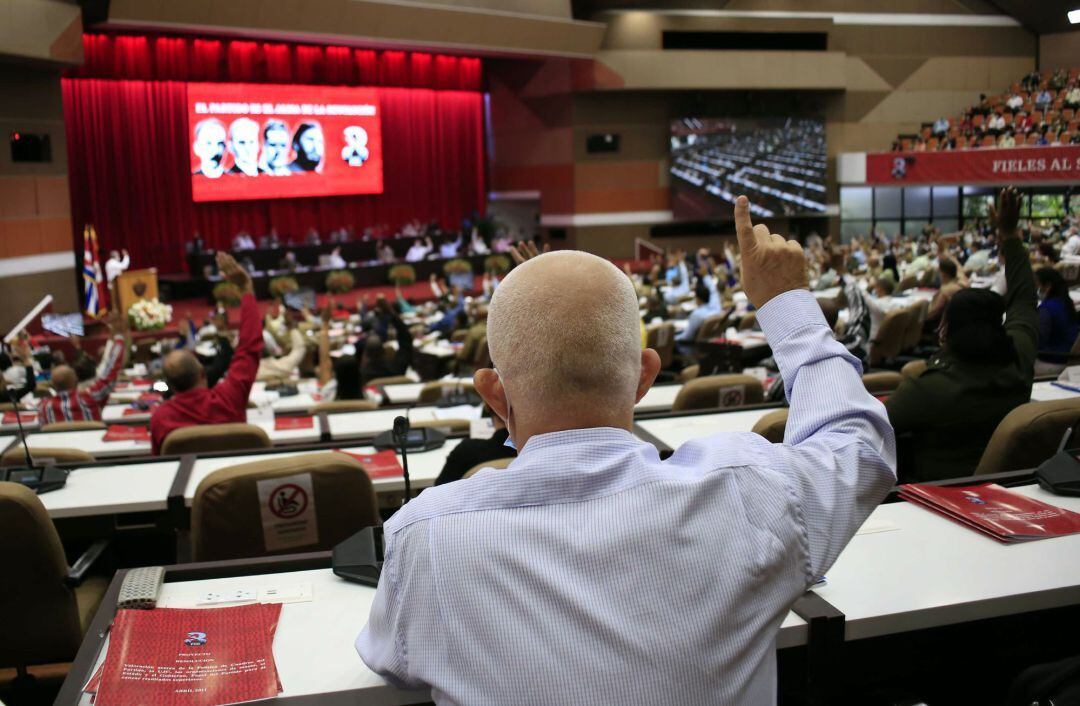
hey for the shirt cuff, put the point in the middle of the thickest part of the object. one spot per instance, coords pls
(786, 313)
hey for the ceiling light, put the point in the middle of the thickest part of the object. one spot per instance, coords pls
(1074, 17)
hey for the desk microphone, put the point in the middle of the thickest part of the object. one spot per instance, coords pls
(401, 436)
(22, 432)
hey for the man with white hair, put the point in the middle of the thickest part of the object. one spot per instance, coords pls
(209, 147)
(590, 571)
(244, 146)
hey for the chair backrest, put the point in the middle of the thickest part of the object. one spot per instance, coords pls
(689, 373)
(73, 426)
(299, 503)
(719, 391)
(1028, 435)
(913, 369)
(906, 282)
(435, 391)
(890, 336)
(343, 406)
(661, 338)
(772, 426)
(878, 383)
(216, 437)
(712, 327)
(390, 380)
(15, 456)
(497, 463)
(748, 321)
(916, 318)
(41, 622)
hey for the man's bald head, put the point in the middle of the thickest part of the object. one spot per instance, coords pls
(563, 331)
(183, 371)
(64, 378)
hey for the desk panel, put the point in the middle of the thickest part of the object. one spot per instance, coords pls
(113, 490)
(676, 431)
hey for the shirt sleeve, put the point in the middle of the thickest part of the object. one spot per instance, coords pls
(113, 363)
(839, 452)
(233, 391)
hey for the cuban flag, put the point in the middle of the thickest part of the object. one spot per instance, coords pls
(93, 282)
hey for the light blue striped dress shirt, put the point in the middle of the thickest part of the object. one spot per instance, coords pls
(592, 572)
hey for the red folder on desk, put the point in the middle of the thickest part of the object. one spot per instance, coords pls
(199, 657)
(123, 432)
(990, 509)
(383, 464)
(25, 417)
(150, 397)
(290, 423)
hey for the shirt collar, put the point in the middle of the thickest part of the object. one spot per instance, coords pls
(590, 435)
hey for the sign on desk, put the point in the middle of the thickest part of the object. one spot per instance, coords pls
(287, 507)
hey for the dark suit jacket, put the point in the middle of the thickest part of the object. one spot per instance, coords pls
(473, 451)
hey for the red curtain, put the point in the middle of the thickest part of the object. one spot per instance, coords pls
(129, 167)
(244, 61)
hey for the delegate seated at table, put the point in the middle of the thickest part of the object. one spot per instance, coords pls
(70, 403)
(194, 402)
(590, 571)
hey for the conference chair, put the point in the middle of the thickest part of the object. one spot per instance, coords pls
(689, 373)
(722, 391)
(712, 327)
(343, 406)
(916, 319)
(748, 321)
(913, 369)
(890, 337)
(432, 392)
(772, 426)
(661, 338)
(497, 463)
(73, 426)
(1028, 435)
(882, 382)
(235, 508)
(215, 437)
(390, 380)
(47, 604)
(906, 282)
(15, 456)
(9, 407)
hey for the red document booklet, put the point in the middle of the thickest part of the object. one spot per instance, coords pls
(180, 657)
(993, 510)
(121, 432)
(383, 464)
(291, 423)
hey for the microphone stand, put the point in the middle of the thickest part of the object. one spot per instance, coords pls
(401, 436)
(22, 433)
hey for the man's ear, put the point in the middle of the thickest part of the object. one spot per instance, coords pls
(650, 368)
(489, 387)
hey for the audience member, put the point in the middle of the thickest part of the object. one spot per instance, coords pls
(563, 334)
(1058, 326)
(470, 453)
(193, 401)
(69, 403)
(984, 369)
(116, 265)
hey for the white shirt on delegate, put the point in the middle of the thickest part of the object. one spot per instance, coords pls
(590, 571)
(114, 268)
(1071, 248)
(416, 253)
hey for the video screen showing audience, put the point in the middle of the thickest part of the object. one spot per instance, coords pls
(778, 162)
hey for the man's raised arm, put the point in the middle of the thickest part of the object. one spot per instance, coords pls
(839, 451)
(234, 389)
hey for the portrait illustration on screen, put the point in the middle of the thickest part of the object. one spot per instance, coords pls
(309, 147)
(209, 145)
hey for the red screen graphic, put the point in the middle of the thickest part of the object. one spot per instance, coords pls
(251, 141)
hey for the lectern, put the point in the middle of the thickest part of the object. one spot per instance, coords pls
(133, 286)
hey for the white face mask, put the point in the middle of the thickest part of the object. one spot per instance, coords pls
(509, 439)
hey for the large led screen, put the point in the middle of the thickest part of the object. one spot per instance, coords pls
(778, 163)
(251, 141)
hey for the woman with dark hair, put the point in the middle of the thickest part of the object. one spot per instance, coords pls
(1058, 325)
(944, 417)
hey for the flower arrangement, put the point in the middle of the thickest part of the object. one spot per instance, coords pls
(497, 264)
(227, 294)
(340, 282)
(149, 315)
(402, 274)
(457, 266)
(280, 286)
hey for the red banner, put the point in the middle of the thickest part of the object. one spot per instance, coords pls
(978, 166)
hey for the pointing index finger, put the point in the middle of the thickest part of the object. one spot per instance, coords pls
(744, 228)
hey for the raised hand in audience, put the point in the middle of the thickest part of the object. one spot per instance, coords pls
(1006, 214)
(231, 270)
(526, 250)
(771, 265)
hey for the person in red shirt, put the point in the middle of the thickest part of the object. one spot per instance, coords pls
(71, 404)
(193, 403)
